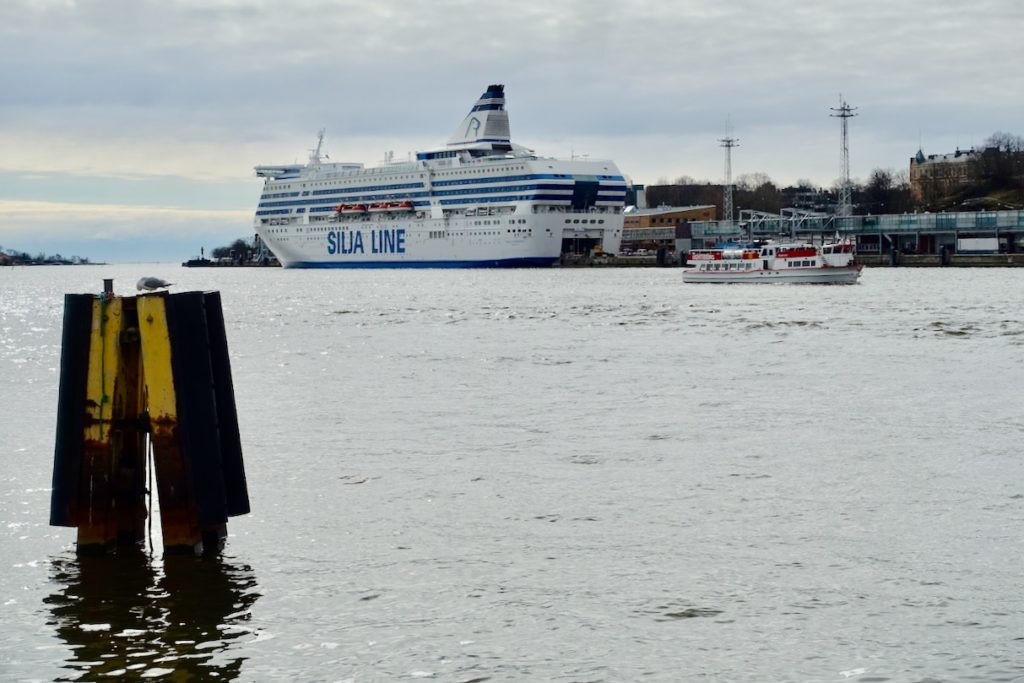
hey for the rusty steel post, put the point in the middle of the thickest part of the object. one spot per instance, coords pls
(155, 363)
(179, 519)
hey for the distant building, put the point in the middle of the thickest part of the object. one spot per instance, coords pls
(937, 174)
(810, 199)
(666, 216)
(665, 227)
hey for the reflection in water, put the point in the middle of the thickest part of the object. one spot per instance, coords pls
(171, 619)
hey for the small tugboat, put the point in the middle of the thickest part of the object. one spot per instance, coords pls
(828, 264)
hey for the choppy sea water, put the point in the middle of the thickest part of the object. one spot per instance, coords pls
(557, 475)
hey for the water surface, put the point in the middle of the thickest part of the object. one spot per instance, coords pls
(578, 475)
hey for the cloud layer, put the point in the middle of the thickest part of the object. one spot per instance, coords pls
(202, 90)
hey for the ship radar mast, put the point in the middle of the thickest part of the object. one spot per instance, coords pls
(314, 154)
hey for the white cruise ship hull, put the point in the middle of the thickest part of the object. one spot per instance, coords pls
(506, 241)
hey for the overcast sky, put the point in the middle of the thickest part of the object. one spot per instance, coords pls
(129, 128)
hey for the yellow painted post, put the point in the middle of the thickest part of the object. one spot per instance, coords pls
(123, 375)
(97, 523)
(178, 513)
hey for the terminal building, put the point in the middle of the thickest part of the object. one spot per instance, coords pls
(663, 229)
(908, 233)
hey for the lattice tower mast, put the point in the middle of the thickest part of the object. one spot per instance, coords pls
(728, 142)
(844, 112)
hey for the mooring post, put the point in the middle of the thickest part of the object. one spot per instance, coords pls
(128, 432)
(155, 363)
(97, 530)
(179, 518)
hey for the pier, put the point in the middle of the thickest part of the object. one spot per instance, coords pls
(908, 234)
(917, 239)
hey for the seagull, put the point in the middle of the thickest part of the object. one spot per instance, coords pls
(151, 284)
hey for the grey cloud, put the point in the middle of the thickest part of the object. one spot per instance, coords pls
(248, 70)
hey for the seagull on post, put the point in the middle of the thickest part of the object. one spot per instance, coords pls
(151, 284)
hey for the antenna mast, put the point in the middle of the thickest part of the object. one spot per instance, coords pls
(728, 142)
(314, 154)
(844, 112)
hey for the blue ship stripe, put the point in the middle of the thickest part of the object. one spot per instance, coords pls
(616, 198)
(334, 201)
(523, 262)
(367, 188)
(330, 203)
(439, 183)
(503, 188)
(506, 198)
(532, 176)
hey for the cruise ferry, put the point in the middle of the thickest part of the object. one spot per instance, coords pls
(775, 262)
(480, 201)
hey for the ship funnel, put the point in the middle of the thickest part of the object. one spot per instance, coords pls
(487, 121)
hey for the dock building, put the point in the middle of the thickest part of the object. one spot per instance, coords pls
(908, 233)
(664, 227)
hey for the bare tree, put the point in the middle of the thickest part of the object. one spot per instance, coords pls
(1005, 142)
(1000, 165)
(752, 181)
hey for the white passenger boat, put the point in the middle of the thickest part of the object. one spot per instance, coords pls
(775, 262)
